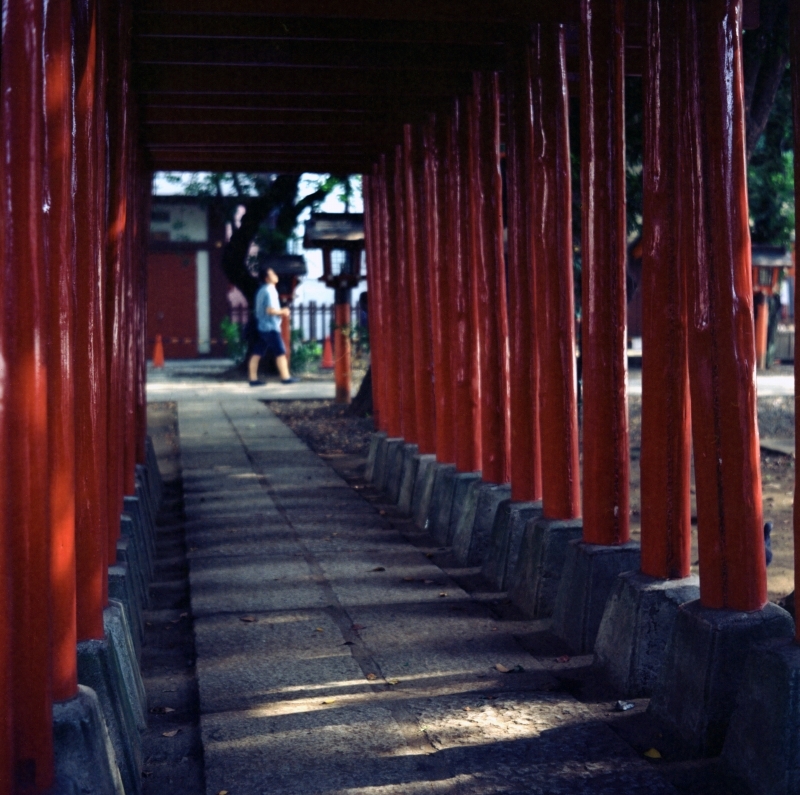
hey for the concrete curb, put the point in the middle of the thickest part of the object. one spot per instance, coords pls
(84, 755)
(636, 627)
(122, 588)
(423, 489)
(501, 556)
(374, 441)
(442, 506)
(382, 461)
(118, 632)
(394, 472)
(133, 508)
(695, 694)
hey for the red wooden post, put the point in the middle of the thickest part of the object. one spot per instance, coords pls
(390, 310)
(341, 346)
(794, 38)
(400, 289)
(26, 331)
(666, 429)
(441, 315)
(486, 210)
(526, 461)
(606, 458)
(552, 256)
(720, 305)
(418, 295)
(90, 514)
(61, 308)
(463, 290)
(374, 298)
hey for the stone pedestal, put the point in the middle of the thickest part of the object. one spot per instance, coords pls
(132, 531)
(121, 588)
(462, 500)
(84, 755)
(506, 539)
(695, 694)
(386, 452)
(474, 528)
(411, 459)
(422, 506)
(118, 632)
(99, 669)
(636, 627)
(533, 584)
(394, 471)
(442, 506)
(414, 482)
(590, 573)
(374, 441)
(141, 529)
(762, 745)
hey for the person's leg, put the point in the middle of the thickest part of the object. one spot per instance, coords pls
(282, 363)
(253, 367)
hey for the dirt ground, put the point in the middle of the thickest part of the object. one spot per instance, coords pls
(343, 439)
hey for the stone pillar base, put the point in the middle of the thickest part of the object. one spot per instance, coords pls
(394, 471)
(695, 694)
(374, 441)
(474, 528)
(122, 588)
(132, 531)
(421, 469)
(763, 741)
(131, 506)
(99, 668)
(636, 627)
(386, 452)
(533, 584)
(115, 624)
(442, 505)
(504, 545)
(422, 506)
(411, 459)
(590, 573)
(84, 756)
(463, 482)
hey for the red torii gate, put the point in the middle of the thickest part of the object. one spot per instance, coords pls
(481, 388)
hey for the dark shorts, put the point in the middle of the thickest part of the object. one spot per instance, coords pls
(269, 341)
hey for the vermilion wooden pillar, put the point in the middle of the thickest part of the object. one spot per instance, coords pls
(419, 293)
(26, 330)
(486, 211)
(90, 419)
(666, 427)
(400, 295)
(463, 293)
(60, 232)
(606, 458)
(552, 255)
(341, 344)
(389, 308)
(373, 311)
(720, 305)
(794, 37)
(526, 462)
(440, 305)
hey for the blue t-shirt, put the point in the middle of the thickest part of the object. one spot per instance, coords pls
(267, 298)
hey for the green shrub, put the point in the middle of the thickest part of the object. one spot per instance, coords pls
(305, 354)
(234, 343)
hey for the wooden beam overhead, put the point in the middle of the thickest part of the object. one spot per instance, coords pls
(368, 56)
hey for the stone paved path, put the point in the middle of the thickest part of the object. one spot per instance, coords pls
(334, 657)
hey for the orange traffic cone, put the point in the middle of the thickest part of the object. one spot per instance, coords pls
(158, 352)
(327, 355)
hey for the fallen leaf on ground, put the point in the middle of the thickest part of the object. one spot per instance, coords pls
(348, 643)
(328, 701)
(394, 681)
(184, 615)
(467, 709)
(248, 619)
(372, 677)
(443, 593)
(382, 513)
(379, 568)
(170, 734)
(652, 753)
(409, 579)
(223, 792)
(428, 582)
(162, 710)
(429, 554)
(503, 670)
(563, 658)
(319, 629)
(494, 629)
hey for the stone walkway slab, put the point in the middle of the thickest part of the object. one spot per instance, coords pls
(334, 658)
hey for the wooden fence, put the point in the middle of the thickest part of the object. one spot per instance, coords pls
(315, 321)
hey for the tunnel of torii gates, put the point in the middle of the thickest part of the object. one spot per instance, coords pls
(472, 330)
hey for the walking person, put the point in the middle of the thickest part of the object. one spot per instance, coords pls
(268, 314)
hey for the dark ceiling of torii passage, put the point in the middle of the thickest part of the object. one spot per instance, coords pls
(319, 85)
